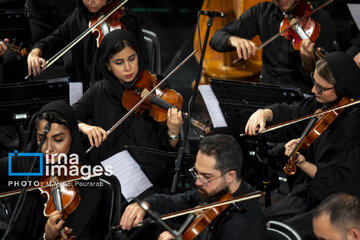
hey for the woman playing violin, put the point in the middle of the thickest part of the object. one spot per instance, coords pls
(282, 65)
(63, 137)
(85, 53)
(217, 168)
(331, 163)
(121, 64)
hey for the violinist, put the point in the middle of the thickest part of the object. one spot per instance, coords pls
(330, 164)
(282, 64)
(121, 64)
(85, 53)
(63, 137)
(217, 168)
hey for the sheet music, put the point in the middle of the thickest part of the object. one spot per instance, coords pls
(355, 12)
(75, 91)
(132, 179)
(212, 105)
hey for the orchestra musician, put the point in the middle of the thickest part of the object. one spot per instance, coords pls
(282, 65)
(121, 64)
(330, 164)
(217, 167)
(3, 48)
(63, 137)
(85, 53)
(337, 217)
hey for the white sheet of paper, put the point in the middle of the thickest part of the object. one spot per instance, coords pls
(132, 179)
(75, 91)
(355, 12)
(212, 105)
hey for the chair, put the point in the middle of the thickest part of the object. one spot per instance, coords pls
(281, 231)
(153, 47)
(110, 205)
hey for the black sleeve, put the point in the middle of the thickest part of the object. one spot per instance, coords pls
(58, 39)
(84, 107)
(245, 27)
(327, 30)
(164, 203)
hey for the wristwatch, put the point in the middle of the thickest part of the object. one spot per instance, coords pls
(174, 137)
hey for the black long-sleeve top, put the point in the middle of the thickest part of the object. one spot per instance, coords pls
(281, 63)
(335, 153)
(85, 53)
(244, 222)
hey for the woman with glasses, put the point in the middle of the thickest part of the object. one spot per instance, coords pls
(331, 163)
(217, 169)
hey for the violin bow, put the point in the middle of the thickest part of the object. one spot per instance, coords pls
(280, 125)
(145, 97)
(58, 55)
(245, 197)
(290, 26)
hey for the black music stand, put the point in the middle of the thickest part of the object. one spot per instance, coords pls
(159, 167)
(238, 100)
(19, 101)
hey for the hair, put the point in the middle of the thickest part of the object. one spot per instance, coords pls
(53, 117)
(324, 71)
(119, 46)
(226, 151)
(343, 210)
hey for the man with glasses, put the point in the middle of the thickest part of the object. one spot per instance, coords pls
(217, 168)
(331, 163)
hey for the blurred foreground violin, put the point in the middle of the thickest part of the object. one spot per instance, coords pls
(293, 30)
(111, 23)
(320, 126)
(157, 104)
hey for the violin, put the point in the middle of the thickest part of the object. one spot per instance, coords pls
(111, 23)
(203, 220)
(285, 29)
(21, 51)
(157, 104)
(306, 28)
(61, 195)
(320, 126)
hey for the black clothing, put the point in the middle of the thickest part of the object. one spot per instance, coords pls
(102, 106)
(31, 221)
(244, 222)
(281, 63)
(335, 153)
(85, 53)
(99, 106)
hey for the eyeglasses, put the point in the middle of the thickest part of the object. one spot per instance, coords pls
(202, 179)
(317, 86)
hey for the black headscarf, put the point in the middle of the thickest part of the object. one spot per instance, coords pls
(112, 84)
(346, 74)
(67, 112)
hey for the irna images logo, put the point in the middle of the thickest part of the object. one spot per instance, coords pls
(16, 154)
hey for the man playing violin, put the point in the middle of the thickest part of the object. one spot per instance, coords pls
(217, 167)
(330, 164)
(85, 53)
(282, 64)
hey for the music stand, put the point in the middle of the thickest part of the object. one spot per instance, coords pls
(158, 166)
(238, 100)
